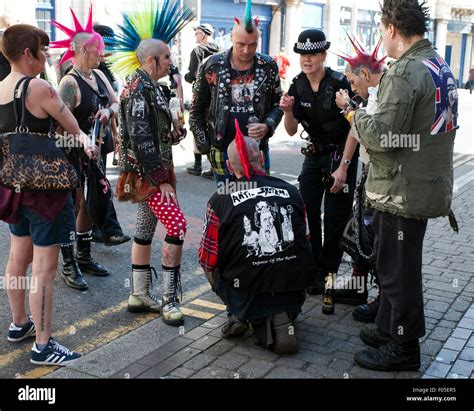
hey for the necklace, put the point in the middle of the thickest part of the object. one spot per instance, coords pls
(87, 76)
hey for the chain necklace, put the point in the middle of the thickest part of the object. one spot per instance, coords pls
(241, 73)
(87, 76)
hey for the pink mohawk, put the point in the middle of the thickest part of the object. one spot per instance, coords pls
(363, 57)
(71, 33)
(242, 150)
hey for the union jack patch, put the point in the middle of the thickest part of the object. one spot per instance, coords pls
(446, 97)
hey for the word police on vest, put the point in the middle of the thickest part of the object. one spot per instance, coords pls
(37, 394)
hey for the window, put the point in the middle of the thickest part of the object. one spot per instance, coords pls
(312, 16)
(368, 27)
(45, 13)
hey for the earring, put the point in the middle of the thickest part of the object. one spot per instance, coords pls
(30, 62)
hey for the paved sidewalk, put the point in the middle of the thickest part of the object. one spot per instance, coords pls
(327, 343)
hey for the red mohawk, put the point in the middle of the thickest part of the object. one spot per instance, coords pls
(242, 150)
(363, 57)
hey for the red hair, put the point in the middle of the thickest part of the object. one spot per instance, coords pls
(363, 58)
(242, 150)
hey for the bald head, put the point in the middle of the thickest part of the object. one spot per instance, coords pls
(253, 152)
(244, 46)
(240, 31)
(150, 47)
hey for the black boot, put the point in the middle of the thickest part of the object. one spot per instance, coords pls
(374, 337)
(208, 174)
(285, 337)
(84, 258)
(196, 168)
(366, 313)
(394, 356)
(71, 272)
(356, 292)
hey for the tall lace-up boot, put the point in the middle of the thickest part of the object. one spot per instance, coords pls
(141, 298)
(171, 310)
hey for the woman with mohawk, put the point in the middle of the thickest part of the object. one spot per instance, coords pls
(89, 95)
(141, 53)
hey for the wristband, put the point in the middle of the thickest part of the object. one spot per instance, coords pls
(349, 115)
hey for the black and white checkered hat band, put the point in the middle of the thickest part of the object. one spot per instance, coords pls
(310, 46)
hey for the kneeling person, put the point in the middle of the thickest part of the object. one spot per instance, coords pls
(255, 250)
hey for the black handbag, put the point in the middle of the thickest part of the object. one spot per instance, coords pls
(356, 239)
(98, 193)
(34, 161)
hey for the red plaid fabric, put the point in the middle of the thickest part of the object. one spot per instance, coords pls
(209, 244)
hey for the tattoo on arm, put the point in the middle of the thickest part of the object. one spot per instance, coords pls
(52, 92)
(62, 108)
(68, 92)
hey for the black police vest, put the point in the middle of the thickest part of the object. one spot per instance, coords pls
(262, 240)
(323, 120)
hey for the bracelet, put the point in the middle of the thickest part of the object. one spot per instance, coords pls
(111, 112)
(349, 115)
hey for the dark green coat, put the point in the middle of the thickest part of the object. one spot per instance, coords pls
(410, 138)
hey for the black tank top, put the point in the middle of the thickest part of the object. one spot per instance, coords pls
(90, 101)
(8, 120)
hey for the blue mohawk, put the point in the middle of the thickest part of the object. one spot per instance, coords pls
(152, 22)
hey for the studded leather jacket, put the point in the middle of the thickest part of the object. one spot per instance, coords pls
(146, 141)
(212, 99)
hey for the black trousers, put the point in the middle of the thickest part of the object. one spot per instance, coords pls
(255, 307)
(399, 248)
(337, 209)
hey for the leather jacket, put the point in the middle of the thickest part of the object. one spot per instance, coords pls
(146, 140)
(212, 99)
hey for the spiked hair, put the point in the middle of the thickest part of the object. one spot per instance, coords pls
(72, 33)
(363, 58)
(242, 150)
(248, 22)
(151, 22)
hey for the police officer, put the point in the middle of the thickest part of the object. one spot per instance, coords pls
(310, 101)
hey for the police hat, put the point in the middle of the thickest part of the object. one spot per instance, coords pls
(311, 41)
(205, 28)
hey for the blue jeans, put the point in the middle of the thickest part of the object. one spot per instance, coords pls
(43, 232)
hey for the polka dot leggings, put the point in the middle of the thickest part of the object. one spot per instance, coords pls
(170, 216)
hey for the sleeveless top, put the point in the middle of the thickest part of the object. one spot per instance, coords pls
(90, 101)
(47, 205)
